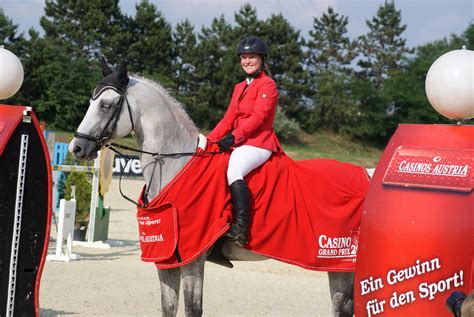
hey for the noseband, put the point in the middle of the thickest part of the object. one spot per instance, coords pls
(111, 124)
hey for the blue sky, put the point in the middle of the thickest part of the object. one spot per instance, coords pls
(426, 20)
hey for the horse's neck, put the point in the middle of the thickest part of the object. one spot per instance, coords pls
(164, 129)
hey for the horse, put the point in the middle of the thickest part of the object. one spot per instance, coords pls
(121, 105)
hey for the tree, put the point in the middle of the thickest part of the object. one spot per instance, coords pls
(402, 98)
(88, 25)
(247, 22)
(184, 64)
(383, 49)
(384, 56)
(61, 68)
(328, 57)
(58, 81)
(150, 49)
(8, 30)
(286, 60)
(406, 90)
(216, 69)
(468, 36)
(329, 48)
(14, 43)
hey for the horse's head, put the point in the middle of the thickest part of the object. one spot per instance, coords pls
(106, 117)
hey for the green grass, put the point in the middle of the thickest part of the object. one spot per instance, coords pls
(330, 145)
(317, 145)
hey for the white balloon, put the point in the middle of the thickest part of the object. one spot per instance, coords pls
(449, 84)
(11, 74)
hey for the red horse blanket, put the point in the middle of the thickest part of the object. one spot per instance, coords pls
(305, 213)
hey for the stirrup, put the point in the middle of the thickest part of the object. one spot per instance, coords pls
(236, 235)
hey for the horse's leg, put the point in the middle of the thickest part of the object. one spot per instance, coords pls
(193, 278)
(341, 286)
(169, 281)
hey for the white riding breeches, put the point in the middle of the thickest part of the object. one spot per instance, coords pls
(245, 159)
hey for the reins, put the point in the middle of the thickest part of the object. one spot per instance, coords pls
(158, 157)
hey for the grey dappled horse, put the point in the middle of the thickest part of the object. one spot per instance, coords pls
(121, 105)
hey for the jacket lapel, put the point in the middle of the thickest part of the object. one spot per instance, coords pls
(253, 84)
(240, 90)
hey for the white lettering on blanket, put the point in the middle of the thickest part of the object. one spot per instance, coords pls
(145, 221)
(155, 238)
(337, 247)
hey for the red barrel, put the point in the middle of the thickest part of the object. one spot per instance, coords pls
(417, 234)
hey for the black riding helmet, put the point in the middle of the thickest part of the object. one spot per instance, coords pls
(252, 44)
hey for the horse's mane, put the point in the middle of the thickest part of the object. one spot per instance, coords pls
(174, 105)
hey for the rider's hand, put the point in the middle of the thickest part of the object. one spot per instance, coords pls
(226, 142)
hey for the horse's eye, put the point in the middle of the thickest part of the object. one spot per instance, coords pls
(104, 105)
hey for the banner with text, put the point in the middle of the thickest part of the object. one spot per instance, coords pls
(130, 168)
(416, 238)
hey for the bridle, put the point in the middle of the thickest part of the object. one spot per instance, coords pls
(109, 129)
(111, 125)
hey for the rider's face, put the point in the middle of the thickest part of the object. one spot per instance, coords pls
(250, 63)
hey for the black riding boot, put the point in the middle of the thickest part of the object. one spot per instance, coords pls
(241, 210)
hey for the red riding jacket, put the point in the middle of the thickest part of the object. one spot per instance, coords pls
(250, 115)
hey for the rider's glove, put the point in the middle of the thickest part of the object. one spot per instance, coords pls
(226, 142)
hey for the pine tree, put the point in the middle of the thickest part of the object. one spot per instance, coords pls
(185, 59)
(329, 54)
(285, 59)
(468, 36)
(383, 49)
(184, 55)
(247, 22)
(215, 71)
(57, 84)
(8, 30)
(15, 43)
(406, 90)
(76, 33)
(87, 24)
(384, 56)
(150, 49)
(329, 48)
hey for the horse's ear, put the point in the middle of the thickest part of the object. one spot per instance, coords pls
(122, 70)
(105, 68)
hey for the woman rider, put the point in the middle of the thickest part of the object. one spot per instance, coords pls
(247, 130)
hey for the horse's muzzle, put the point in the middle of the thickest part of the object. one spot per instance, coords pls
(83, 149)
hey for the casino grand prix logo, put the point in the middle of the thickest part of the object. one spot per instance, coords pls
(445, 169)
(338, 247)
